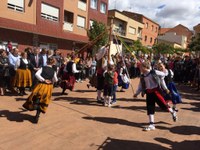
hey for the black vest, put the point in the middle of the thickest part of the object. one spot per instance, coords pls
(23, 65)
(69, 67)
(47, 73)
(168, 78)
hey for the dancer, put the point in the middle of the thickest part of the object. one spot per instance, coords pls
(41, 94)
(153, 95)
(174, 95)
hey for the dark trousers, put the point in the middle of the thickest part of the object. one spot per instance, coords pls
(152, 98)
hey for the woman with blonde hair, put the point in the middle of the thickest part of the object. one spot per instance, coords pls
(23, 77)
(42, 92)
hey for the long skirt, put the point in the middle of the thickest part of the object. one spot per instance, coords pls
(39, 98)
(22, 78)
(68, 81)
(175, 96)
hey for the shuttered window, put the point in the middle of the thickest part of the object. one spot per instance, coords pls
(17, 5)
(49, 12)
(81, 22)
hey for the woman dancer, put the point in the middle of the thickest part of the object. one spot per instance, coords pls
(41, 95)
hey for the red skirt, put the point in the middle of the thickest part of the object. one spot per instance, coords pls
(68, 81)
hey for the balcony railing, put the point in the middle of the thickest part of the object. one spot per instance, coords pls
(119, 31)
(68, 26)
(82, 5)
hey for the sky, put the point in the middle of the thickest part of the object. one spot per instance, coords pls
(167, 13)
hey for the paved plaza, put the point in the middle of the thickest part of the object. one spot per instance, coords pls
(76, 122)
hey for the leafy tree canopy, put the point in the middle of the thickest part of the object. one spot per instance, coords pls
(95, 30)
(195, 43)
(163, 48)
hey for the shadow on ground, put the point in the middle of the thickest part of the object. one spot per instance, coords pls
(117, 144)
(182, 130)
(183, 145)
(16, 116)
(120, 121)
(188, 92)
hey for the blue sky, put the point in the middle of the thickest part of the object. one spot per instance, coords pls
(167, 13)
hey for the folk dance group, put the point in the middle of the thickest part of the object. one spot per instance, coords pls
(156, 82)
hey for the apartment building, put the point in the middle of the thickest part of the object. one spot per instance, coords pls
(51, 24)
(176, 41)
(124, 27)
(150, 30)
(179, 34)
(97, 11)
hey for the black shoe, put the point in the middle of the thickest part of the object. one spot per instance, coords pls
(88, 86)
(100, 101)
(175, 109)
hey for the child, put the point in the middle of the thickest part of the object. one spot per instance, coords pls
(115, 84)
(108, 85)
(153, 95)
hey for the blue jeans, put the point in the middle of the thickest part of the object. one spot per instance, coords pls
(114, 93)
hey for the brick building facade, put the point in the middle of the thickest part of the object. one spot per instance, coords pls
(46, 23)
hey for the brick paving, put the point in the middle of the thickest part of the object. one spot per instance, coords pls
(76, 122)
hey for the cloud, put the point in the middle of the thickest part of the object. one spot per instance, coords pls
(167, 13)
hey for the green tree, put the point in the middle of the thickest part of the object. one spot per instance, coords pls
(98, 35)
(137, 46)
(194, 45)
(163, 48)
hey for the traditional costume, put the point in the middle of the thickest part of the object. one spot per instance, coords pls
(23, 77)
(68, 77)
(41, 94)
(150, 86)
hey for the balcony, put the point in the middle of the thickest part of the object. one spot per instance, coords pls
(82, 5)
(68, 26)
(119, 31)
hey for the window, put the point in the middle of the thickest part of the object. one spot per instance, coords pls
(145, 38)
(156, 29)
(116, 42)
(17, 5)
(68, 16)
(82, 5)
(91, 23)
(103, 8)
(81, 22)
(151, 40)
(49, 12)
(132, 30)
(147, 25)
(68, 21)
(93, 4)
(152, 28)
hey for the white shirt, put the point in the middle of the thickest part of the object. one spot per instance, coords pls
(150, 82)
(74, 70)
(19, 61)
(40, 78)
(12, 59)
